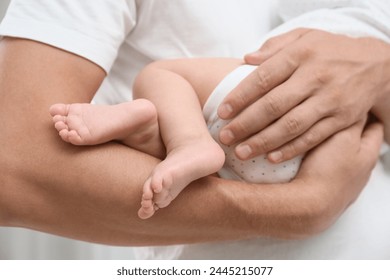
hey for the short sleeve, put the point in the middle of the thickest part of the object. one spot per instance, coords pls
(356, 18)
(93, 29)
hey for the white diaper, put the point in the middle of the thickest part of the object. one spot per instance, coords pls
(255, 170)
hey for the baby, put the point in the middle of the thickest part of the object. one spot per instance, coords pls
(165, 120)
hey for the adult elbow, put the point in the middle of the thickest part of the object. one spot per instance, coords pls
(15, 187)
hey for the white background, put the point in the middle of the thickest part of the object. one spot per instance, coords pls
(3, 7)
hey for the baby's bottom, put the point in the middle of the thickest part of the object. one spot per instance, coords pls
(255, 170)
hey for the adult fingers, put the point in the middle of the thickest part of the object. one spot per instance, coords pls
(261, 113)
(264, 78)
(290, 126)
(274, 45)
(360, 141)
(342, 165)
(370, 144)
(310, 139)
(305, 142)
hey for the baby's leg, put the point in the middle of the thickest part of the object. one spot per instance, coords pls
(191, 151)
(134, 123)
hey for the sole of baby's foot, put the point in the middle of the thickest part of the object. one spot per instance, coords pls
(87, 124)
(187, 163)
(69, 123)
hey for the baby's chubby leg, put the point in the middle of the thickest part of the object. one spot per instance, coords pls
(134, 123)
(174, 87)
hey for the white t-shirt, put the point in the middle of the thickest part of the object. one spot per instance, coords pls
(123, 36)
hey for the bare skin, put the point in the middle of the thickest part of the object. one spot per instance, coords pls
(184, 132)
(294, 81)
(135, 125)
(173, 86)
(132, 123)
(92, 193)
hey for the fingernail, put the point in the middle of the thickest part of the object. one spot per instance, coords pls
(243, 151)
(225, 110)
(226, 136)
(276, 156)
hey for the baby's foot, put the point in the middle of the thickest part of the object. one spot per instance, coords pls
(184, 164)
(85, 124)
(148, 207)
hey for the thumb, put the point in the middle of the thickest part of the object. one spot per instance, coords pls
(274, 45)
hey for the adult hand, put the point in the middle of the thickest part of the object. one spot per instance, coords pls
(334, 174)
(309, 85)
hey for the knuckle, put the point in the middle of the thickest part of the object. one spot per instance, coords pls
(323, 108)
(242, 97)
(273, 105)
(241, 126)
(291, 61)
(263, 79)
(330, 104)
(321, 76)
(305, 51)
(311, 138)
(346, 116)
(351, 114)
(291, 150)
(336, 94)
(292, 125)
(261, 144)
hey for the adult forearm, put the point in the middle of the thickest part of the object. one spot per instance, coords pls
(93, 193)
